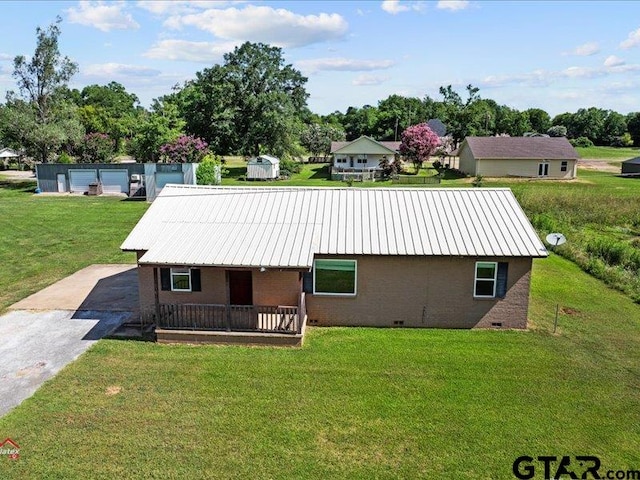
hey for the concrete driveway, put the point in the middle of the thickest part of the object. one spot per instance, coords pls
(44, 332)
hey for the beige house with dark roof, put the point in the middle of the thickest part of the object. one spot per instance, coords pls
(531, 157)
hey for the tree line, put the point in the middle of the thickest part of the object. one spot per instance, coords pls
(251, 103)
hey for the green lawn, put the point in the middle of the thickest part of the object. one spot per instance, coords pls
(616, 154)
(44, 238)
(353, 402)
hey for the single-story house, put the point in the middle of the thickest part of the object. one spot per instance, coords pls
(263, 167)
(8, 155)
(631, 166)
(360, 158)
(132, 179)
(531, 157)
(271, 260)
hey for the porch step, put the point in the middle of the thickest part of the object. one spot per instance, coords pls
(133, 331)
(229, 338)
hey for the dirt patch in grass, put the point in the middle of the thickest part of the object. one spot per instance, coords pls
(113, 390)
(600, 165)
(569, 311)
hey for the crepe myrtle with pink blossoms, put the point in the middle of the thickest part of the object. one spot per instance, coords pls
(419, 142)
(184, 149)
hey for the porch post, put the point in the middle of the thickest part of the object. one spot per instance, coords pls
(228, 302)
(156, 294)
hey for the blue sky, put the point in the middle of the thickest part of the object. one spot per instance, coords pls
(559, 56)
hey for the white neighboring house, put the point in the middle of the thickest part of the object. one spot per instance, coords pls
(263, 167)
(8, 155)
(361, 157)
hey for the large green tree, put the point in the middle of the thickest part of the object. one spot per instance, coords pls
(253, 103)
(633, 126)
(539, 119)
(109, 109)
(161, 126)
(317, 138)
(40, 118)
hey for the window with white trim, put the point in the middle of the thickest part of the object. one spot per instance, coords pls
(491, 280)
(485, 279)
(334, 277)
(180, 279)
(543, 169)
(564, 165)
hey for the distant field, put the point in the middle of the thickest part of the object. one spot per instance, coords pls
(608, 153)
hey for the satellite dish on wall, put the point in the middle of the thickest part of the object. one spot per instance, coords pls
(556, 239)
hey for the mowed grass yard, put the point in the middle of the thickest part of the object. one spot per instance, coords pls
(352, 403)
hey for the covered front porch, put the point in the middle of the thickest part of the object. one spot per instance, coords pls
(220, 305)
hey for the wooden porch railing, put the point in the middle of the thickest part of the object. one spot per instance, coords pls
(237, 318)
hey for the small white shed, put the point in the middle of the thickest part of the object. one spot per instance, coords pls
(263, 167)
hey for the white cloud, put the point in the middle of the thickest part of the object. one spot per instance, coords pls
(343, 64)
(265, 24)
(536, 78)
(119, 70)
(368, 80)
(183, 50)
(585, 50)
(633, 40)
(582, 72)
(5, 57)
(394, 6)
(613, 61)
(102, 16)
(453, 5)
(174, 7)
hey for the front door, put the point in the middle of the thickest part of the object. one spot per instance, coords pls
(543, 169)
(240, 287)
(62, 183)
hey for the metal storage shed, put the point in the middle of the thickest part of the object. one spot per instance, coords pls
(631, 166)
(263, 167)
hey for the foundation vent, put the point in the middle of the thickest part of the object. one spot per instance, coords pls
(312, 321)
(496, 324)
(398, 323)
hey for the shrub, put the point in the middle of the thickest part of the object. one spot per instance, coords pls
(184, 149)
(390, 168)
(288, 167)
(209, 171)
(557, 131)
(581, 142)
(65, 158)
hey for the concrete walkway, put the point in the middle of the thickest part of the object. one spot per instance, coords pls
(44, 332)
(97, 287)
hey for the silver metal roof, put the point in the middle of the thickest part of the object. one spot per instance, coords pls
(286, 227)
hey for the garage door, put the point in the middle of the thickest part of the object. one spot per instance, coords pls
(79, 180)
(170, 177)
(115, 181)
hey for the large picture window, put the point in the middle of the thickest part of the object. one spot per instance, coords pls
(334, 277)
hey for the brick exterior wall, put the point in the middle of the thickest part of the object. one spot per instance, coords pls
(424, 292)
(417, 291)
